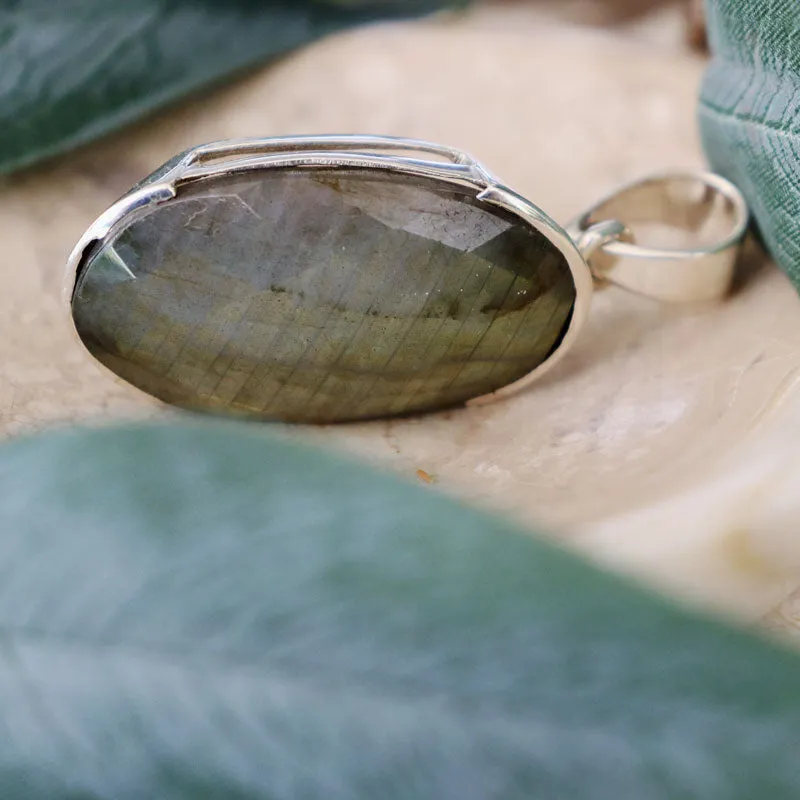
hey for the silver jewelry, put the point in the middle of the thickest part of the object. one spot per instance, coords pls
(275, 344)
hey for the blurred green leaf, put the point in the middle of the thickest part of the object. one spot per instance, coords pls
(201, 612)
(73, 70)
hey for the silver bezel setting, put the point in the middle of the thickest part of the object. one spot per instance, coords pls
(225, 158)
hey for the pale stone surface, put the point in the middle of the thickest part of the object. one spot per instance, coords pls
(324, 296)
(666, 444)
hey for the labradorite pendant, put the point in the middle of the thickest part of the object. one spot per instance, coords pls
(329, 280)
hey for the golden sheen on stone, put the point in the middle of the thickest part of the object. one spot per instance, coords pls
(324, 296)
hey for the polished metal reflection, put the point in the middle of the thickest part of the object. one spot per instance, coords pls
(676, 236)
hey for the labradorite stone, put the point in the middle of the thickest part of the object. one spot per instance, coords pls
(322, 296)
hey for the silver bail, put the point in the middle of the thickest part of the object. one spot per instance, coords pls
(672, 236)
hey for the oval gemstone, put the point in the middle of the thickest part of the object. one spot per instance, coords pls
(324, 296)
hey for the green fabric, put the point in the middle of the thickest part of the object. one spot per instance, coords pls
(750, 114)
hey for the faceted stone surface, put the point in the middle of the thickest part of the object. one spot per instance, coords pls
(324, 296)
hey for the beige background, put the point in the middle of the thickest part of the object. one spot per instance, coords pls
(663, 445)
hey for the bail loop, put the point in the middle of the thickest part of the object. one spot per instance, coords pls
(671, 236)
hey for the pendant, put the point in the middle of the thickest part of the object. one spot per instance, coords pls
(340, 278)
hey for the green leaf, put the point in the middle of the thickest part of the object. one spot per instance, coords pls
(750, 114)
(201, 612)
(73, 70)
